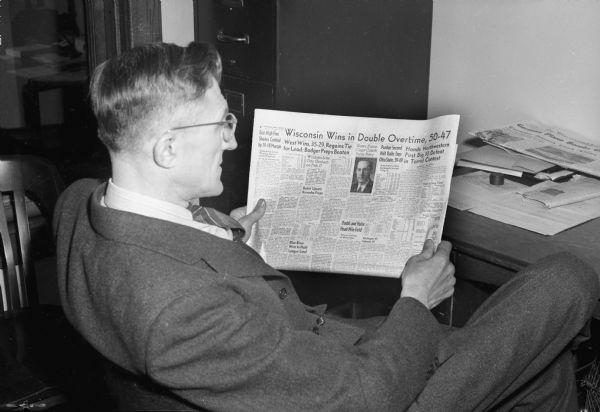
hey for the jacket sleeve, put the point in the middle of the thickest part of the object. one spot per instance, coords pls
(217, 350)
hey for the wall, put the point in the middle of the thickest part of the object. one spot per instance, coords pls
(501, 61)
(177, 21)
(498, 61)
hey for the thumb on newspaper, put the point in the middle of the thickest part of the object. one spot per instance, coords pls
(248, 220)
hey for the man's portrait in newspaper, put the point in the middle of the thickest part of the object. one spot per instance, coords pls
(364, 173)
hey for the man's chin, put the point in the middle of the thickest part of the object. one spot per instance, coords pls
(216, 191)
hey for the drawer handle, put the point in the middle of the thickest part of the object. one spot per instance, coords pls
(233, 3)
(226, 38)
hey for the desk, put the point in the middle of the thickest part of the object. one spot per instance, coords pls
(50, 71)
(491, 252)
(505, 249)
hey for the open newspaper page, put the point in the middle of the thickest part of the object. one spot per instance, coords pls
(349, 194)
(542, 142)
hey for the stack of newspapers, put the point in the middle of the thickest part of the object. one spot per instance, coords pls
(532, 150)
(557, 183)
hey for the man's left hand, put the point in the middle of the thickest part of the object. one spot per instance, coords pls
(248, 220)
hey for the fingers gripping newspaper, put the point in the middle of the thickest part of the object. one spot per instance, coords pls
(349, 194)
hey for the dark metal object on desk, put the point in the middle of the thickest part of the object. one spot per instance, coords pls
(496, 179)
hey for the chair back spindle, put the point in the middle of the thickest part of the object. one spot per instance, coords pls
(22, 177)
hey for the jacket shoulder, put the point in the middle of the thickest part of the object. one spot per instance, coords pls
(82, 187)
(73, 198)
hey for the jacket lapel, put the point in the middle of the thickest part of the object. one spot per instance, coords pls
(180, 242)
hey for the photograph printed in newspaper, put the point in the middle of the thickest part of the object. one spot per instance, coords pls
(348, 194)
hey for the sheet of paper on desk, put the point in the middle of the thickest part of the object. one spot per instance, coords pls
(488, 168)
(530, 215)
(474, 190)
(495, 156)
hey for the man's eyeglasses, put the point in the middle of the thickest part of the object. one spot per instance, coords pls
(229, 124)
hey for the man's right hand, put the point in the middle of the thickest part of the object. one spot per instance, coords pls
(429, 276)
(248, 220)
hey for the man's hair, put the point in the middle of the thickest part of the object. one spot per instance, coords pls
(369, 162)
(137, 88)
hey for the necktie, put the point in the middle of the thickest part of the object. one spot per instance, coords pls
(210, 216)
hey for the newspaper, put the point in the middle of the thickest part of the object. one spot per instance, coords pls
(311, 169)
(553, 194)
(542, 142)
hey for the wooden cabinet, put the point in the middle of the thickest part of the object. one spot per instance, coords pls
(356, 58)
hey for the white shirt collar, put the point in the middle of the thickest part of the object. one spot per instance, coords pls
(125, 200)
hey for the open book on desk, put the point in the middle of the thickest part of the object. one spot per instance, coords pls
(310, 169)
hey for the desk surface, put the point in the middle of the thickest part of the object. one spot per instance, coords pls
(512, 247)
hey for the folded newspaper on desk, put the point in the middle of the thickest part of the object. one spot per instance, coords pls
(554, 194)
(307, 166)
(542, 142)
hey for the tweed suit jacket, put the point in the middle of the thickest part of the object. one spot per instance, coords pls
(210, 321)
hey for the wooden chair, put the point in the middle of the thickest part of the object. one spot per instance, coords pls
(29, 189)
(29, 186)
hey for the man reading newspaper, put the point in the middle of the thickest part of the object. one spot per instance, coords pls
(188, 310)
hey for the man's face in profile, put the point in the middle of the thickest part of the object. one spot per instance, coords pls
(201, 155)
(363, 172)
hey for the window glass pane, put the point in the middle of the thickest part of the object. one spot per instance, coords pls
(44, 79)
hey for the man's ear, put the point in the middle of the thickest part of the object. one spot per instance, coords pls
(165, 150)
